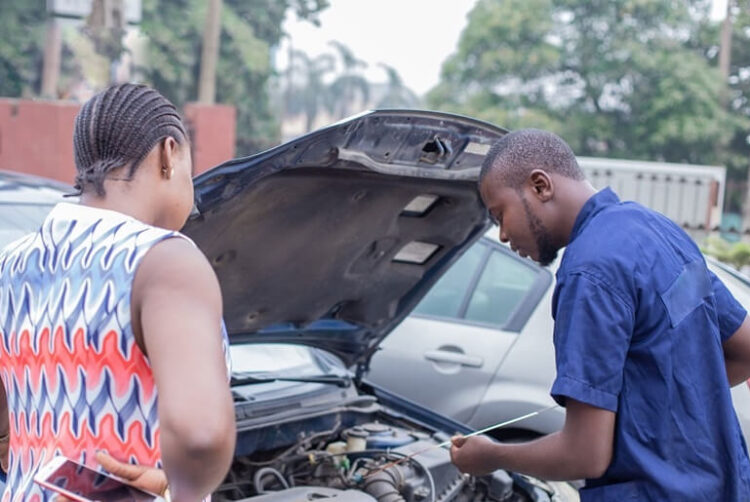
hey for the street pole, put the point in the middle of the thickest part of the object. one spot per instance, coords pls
(210, 54)
(725, 47)
(52, 52)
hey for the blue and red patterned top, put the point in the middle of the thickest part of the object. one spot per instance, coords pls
(75, 379)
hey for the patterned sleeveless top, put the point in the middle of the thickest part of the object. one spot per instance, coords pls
(75, 378)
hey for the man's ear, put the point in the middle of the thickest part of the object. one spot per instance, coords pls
(541, 185)
(168, 156)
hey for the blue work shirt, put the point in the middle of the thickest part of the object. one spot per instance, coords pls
(639, 326)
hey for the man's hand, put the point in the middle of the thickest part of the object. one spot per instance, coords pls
(149, 479)
(472, 455)
(582, 449)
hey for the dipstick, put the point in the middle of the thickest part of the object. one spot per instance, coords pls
(476, 433)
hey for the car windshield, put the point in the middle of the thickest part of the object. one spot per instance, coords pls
(19, 219)
(281, 360)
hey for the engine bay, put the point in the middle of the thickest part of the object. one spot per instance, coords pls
(309, 432)
(361, 457)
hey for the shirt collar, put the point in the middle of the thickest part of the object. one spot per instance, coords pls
(591, 208)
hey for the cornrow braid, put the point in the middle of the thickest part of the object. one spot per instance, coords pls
(117, 128)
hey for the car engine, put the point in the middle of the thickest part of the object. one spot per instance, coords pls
(368, 462)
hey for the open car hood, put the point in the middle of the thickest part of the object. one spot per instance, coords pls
(331, 239)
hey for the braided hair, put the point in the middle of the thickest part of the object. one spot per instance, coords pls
(117, 128)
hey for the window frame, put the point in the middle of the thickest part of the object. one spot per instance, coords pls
(526, 306)
(463, 304)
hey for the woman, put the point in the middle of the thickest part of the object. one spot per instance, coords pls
(108, 306)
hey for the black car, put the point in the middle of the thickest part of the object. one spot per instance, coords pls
(322, 246)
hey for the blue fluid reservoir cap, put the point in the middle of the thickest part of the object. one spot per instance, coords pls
(381, 436)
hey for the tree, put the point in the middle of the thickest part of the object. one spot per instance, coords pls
(739, 89)
(248, 32)
(614, 79)
(349, 85)
(174, 30)
(397, 95)
(312, 84)
(706, 39)
(22, 25)
(309, 93)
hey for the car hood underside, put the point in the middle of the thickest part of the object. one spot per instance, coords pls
(330, 240)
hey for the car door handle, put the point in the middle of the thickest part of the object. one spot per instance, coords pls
(442, 356)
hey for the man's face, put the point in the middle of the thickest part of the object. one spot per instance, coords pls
(519, 225)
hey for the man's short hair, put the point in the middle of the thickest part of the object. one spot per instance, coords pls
(512, 158)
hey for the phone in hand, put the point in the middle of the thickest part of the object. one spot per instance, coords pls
(79, 483)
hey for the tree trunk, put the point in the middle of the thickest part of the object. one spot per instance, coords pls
(210, 54)
(52, 51)
(725, 50)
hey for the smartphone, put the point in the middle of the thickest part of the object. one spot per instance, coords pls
(79, 483)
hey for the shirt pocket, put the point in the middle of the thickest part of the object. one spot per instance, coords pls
(687, 292)
(629, 490)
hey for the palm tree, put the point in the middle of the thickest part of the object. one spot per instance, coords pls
(397, 95)
(310, 93)
(349, 85)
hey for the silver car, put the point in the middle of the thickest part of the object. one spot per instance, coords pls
(478, 347)
(24, 202)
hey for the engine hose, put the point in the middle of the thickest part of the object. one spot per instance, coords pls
(258, 479)
(384, 485)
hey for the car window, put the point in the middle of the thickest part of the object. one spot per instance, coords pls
(446, 297)
(17, 220)
(504, 283)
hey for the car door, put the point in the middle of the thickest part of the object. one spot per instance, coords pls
(446, 353)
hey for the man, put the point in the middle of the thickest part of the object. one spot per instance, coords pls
(647, 340)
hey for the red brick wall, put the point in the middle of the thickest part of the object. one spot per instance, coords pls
(213, 130)
(36, 137)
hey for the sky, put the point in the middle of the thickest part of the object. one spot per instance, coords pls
(413, 36)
